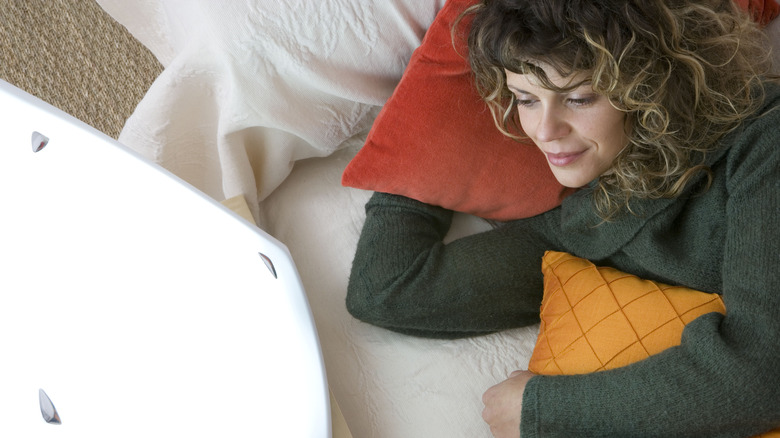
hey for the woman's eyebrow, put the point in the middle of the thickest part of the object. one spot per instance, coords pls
(568, 89)
(517, 90)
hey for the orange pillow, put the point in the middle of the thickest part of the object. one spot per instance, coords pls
(435, 140)
(596, 318)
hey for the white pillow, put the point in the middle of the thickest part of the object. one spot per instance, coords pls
(252, 86)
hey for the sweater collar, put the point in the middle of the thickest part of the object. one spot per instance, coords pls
(591, 237)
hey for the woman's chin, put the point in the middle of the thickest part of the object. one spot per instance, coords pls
(571, 178)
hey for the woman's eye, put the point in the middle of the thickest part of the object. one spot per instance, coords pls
(524, 102)
(580, 101)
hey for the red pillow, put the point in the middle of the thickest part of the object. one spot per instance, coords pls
(763, 11)
(435, 140)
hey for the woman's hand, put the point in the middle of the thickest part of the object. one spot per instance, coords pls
(503, 405)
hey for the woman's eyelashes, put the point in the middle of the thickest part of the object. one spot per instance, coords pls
(522, 101)
(574, 101)
(581, 101)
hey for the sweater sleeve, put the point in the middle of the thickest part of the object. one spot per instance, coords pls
(404, 278)
(723, 380)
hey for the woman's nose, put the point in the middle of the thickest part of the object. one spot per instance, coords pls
(552, 125)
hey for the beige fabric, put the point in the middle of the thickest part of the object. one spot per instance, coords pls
(73, 55)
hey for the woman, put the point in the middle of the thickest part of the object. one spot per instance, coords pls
(662, 113)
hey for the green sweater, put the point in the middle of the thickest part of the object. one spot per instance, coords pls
(724, 378)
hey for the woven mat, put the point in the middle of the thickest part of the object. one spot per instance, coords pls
(73, 55)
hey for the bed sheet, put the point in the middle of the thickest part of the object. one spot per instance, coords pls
(387, 384)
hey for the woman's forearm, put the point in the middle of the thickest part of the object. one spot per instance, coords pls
(406, 279)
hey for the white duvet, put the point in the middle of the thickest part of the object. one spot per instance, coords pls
(270, 99)
(252, 86)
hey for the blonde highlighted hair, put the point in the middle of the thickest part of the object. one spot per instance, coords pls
(685, 72)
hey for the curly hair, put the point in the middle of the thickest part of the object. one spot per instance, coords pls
(686, 72)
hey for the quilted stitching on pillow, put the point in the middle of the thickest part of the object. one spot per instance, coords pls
(598, 318)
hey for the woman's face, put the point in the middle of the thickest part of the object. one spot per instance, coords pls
(579, 131)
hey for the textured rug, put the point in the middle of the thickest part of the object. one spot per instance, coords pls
(73, 55)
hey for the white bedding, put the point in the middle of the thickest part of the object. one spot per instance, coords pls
(252, 88)
(388, 385)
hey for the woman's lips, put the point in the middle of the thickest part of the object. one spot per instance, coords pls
(564, 158)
